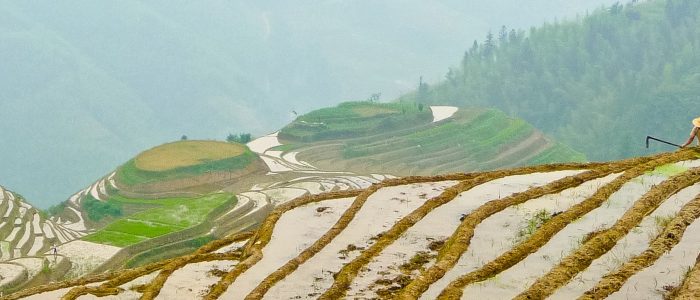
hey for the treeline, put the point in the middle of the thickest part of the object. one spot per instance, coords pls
(599, 83)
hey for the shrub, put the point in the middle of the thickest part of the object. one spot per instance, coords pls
(97, 210)
(242, 138)
(56, 209)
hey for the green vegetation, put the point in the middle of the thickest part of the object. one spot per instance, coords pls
(183, 164)
(669, 170)
(56, 209)
(475, 137)
(113, 238)
(166, 216)
(478, 138)
(284, 147)
(472, 139)
(598, 83)
(97, 210)
(185, 154)
(46, 266)
(355, 119)
(557, 153)
(533, 223)
(242, 138)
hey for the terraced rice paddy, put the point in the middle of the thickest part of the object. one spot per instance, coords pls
(457, 140)
(622, 230)
(25, 238)
(152, 229)
(355, 119)
(169, 216)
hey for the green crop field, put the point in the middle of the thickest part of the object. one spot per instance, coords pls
(669, 170)
(114, 238)
(166, 216)
(355, 119)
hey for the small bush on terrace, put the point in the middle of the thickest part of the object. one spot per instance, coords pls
(97, 210)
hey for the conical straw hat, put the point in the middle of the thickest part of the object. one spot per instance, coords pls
(696, 122)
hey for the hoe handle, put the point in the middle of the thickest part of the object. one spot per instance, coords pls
(659, 140)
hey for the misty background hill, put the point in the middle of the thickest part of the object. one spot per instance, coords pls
(86, 85)
(600, 84)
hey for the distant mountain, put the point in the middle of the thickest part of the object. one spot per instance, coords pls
(86, 85)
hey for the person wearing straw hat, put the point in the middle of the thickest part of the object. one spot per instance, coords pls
(694, 133)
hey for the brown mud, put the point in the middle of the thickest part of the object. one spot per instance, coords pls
(580, 259)
(351, 270)
(665, 241)
(540, 237)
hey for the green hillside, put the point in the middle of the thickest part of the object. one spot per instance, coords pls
(354, 119)
(340, 138)
(600, 83)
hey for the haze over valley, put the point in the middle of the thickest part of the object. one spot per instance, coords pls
(85, 86)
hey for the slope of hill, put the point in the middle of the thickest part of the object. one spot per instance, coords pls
(610, 78)
(26, 235)
(95, 83)
(409, 139)
(168, 201)
(624, 229)
(173, 198)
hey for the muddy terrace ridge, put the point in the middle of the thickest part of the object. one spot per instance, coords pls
(630, 210)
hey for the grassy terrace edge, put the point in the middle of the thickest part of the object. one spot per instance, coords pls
(129, 174)
(540, 237)
(349, 214)
(355, 119)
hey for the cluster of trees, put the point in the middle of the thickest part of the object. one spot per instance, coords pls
(599, 83)
(54, 210)
(242, 138)
(231, 138)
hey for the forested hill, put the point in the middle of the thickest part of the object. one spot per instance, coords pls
(600, 83)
